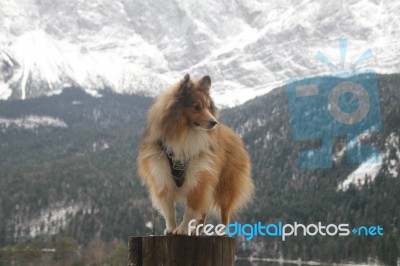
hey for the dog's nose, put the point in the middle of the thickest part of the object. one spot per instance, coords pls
(213, 122)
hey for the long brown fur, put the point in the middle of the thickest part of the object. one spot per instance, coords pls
(218, 166)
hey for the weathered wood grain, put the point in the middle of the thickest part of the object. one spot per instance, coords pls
(181, 250)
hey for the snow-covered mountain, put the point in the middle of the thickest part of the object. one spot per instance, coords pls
(247, 46)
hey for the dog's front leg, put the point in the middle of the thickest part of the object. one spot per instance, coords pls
(199, 200)
(166, 205)
(168, 212)
(190, 214)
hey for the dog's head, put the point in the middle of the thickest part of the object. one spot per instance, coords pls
(197, 105)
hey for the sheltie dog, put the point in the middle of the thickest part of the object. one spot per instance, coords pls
(187, 156)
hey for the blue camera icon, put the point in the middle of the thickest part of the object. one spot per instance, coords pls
(342, 104)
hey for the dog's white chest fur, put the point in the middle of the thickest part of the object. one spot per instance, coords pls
(190, 147)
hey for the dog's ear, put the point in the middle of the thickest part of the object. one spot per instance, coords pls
(205, 83)
(206, 80)
(185, 85)
(186, 78)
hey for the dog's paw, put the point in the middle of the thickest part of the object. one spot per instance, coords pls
(180, 231)
(169, 231)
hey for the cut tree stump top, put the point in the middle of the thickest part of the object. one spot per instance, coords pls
(181, 250)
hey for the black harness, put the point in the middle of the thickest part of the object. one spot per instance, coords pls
(178, 168)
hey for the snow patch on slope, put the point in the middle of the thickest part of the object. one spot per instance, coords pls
(392, 154)
(49, 221)
(32, 122)
(5, 91)
(365, 172)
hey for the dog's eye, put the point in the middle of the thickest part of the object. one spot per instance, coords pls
(197, 108)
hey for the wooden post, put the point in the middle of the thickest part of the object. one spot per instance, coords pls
(181, 250)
